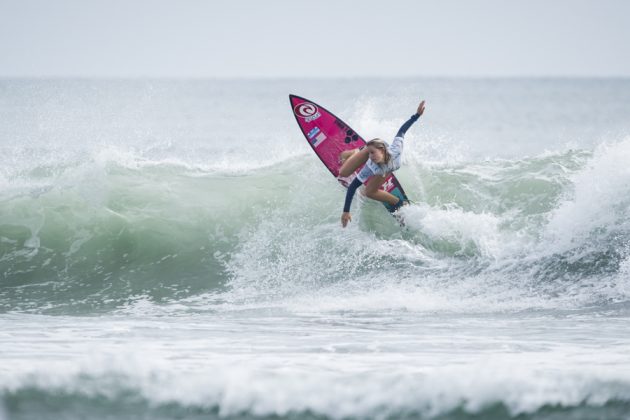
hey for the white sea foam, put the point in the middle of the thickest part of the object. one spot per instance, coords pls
(600, 198)
(367, 371)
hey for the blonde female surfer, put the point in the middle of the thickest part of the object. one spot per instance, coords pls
(380, 159)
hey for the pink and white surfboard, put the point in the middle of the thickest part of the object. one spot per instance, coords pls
(329, 136)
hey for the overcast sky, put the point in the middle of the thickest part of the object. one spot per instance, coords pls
(318, 38)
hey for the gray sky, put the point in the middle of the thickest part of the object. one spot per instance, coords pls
(318, 38)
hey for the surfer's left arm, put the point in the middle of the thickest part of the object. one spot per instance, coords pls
(403, 129)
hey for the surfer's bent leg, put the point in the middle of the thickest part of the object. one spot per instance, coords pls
(373, 191)
(346, 154)
(351, 161)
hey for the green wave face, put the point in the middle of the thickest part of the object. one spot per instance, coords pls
(159, 232)
(91, 237)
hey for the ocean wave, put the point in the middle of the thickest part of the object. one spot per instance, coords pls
(246, 392)
(101, 235)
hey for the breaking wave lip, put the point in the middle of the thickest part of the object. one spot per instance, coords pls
(32, 165)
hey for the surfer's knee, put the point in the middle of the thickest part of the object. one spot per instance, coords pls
(346, 168)
(346, 154)
(373, 186)
(344, 171)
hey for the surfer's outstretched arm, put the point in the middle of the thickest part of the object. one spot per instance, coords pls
(403, 129)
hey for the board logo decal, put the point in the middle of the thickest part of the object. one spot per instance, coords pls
(315, 131)
(318, 140)
(340, 124)
(307, 110)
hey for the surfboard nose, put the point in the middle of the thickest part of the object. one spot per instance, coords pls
(295, 98)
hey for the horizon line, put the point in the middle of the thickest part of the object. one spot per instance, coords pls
(314, 78)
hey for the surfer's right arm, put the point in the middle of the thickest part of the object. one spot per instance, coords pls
(352, 188)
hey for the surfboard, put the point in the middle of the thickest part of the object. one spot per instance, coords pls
(328, 135)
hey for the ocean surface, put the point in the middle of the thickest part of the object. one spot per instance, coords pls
(173, 250)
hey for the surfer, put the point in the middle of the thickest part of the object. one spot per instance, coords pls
(380, 159)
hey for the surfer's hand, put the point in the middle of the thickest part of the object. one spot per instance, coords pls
(420, 110)
(345, 218)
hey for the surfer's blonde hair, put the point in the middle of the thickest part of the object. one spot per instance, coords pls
(381, 145)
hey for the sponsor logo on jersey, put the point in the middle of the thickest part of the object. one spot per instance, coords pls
(388, 185)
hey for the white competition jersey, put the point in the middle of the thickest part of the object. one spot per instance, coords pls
(371, 168)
